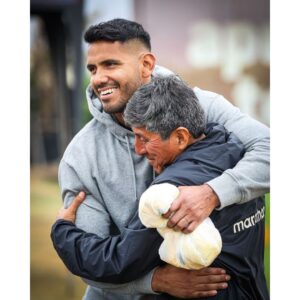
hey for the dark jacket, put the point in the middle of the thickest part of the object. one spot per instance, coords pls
(130, 255)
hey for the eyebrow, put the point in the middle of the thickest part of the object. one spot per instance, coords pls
(105, 62)
(139, 135)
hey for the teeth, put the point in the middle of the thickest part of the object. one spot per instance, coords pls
(107, 92)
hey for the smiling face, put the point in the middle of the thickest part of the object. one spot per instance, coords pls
(117, 70)
(158, 152)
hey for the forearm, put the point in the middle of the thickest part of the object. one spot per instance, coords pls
(185, 284)
(142, 285)
(99, 223)
(91, 271)
(251, 176)
(115, 259)
(248, 180)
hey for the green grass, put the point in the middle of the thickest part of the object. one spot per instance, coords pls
(267, 241)
(48, 276)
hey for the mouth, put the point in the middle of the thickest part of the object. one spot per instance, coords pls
(106, 93)
(151, 161)
(158, 168)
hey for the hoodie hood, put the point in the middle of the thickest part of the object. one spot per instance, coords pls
(96, 109)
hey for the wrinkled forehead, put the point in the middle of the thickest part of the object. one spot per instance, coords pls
(143, 132)
(140, 130)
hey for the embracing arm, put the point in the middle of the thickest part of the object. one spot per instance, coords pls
(93, 259)
(114, 259)
(250, 178)
(208, 280)
(92, 217)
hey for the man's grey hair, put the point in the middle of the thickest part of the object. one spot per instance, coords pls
(163, 105)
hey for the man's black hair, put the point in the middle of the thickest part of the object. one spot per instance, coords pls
(117, 30)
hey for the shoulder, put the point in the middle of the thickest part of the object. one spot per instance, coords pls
(200, 93)
(208, 98)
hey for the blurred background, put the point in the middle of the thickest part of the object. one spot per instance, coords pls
(222, 46)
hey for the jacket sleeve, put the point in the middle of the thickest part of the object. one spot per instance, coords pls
(92, 217)
(250, 178)
(114, 259)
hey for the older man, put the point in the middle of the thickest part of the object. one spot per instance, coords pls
(169, 128)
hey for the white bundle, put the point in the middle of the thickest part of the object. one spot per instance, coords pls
(195, 250)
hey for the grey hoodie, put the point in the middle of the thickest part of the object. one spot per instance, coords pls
(101, 161)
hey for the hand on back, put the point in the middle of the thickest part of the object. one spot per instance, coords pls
(69, 213)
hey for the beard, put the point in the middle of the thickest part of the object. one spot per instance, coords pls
(117, 108)
(126, 94)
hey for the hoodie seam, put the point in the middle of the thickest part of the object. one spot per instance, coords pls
(132, 167)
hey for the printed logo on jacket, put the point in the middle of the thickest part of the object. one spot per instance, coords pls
(250, 221)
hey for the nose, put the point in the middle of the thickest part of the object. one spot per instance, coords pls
(99, 78)
(139, 147)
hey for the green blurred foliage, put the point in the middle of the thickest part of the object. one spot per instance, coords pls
(267, 240)
(86, 115)
(49, 279)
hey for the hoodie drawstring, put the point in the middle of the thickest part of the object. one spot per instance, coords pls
(132, 167)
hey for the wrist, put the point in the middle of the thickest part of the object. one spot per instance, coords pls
(157, 280)
(213, 196)
(227, 189)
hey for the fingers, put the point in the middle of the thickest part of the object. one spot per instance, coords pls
(213, 275)
(206, 294)
(167, 214)
(213, 279)
(175, 218)
(172, 210)
(218, 280)
(196, 294)
(76, 202)
(175, 215)
(182, 224)
(175, 204)
(190, 228)
(189, 283)
(212, 287)
(212, 271)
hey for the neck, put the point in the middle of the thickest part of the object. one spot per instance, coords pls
(119, 117)
(193, 140)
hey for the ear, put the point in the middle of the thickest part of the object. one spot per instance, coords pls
(181, 137)
(147, 63)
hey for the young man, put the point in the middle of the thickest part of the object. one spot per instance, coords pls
(101, 159)
(170, 130)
